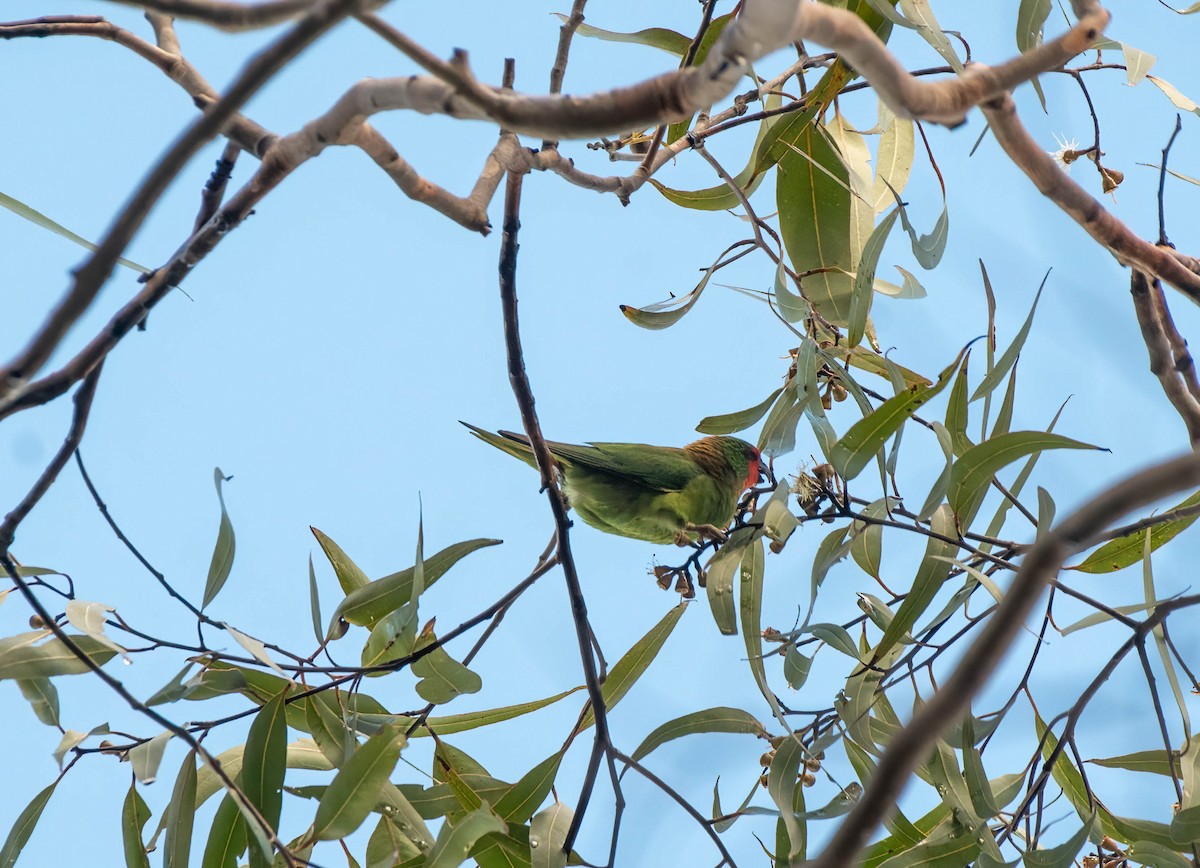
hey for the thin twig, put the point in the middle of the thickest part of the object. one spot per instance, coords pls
(547, 467)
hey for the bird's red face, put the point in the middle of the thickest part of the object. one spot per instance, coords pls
(754, 468)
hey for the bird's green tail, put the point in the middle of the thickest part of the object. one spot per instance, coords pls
(505, 442)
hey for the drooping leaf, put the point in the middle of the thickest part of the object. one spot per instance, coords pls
(227, 839)
(813, 195)
(720, 719)
(655, 37)
(356, 788)
(665, 314)
(930, 576)
(719, 582)
(134, 814)
(23, 826)
(223, 551)
(626, 671)
(781, 786)
(42, 696)
(264, 764)
(864, 280)
(866, 437)
(40, 219)
(996, 375)
(181, 815)
(145, 758)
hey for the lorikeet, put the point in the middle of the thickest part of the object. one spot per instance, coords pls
(658, 493)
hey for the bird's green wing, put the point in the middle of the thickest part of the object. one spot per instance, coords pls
(662, 468)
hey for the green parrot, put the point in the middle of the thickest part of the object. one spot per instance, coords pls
(662, 494)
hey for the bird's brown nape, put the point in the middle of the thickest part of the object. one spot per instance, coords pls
(723, 457)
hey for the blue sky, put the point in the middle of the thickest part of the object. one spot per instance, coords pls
(324, 353)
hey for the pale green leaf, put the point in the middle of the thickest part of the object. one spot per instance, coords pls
(223, 551)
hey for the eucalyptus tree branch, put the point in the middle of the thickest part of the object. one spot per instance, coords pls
(602, 742)
(912, 743)
(83, 407)
(91, 276)
(1130, 250)
(1150, 307)
(228, 15)
(763, 26)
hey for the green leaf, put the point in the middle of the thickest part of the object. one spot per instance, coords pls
(834, 636)
(866, 545)
(1127, 550)
(42, 695)
(1064, 854)
(665, 314)
(349, 575)
(455, 841)
(719, 581)
(894, 161)
(973, 472)
(625, 673)
(370, 603)
(782, 785)
(1156, 856)
(226, 837)
(40, 219)
(655, 37)
(866, 436)
(719, 719)
(146, 757)
(21, 658)
(19, 834)
(795, 667)
(1009, 358)
(941, 852)
(813, 196)
(314, 601)
(548, 833)
(448, 724)
(522, 799)
(134, 814)
(391, 639)
(264, 764)
(1179, 100)
(1152, 761)
(1185, 825)
(1076, 790)
(356, 788)
(872, 362)
(180, 815)
(171, 691)
(721, 197)
(730, 423)
(1031, 18)
(323, 715)
(930, 576)
(222, 557)
(864, 279)
(388, 847)
(442, 677)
